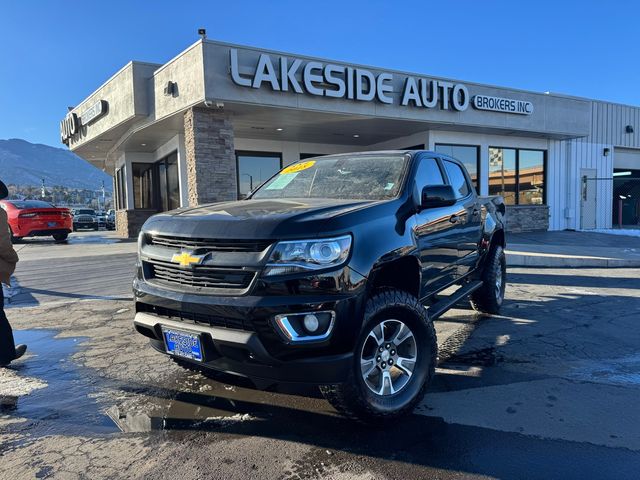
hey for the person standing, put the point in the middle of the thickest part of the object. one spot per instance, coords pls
(8, 259)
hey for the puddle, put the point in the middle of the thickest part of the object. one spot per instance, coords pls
(616, 371)
(190, 401)
(61, 405)
(73, 239)
(57, 397)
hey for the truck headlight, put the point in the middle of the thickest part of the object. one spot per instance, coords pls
(304, 255)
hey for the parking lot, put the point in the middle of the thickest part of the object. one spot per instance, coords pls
(548, 389)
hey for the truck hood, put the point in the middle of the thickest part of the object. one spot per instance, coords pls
(255, 219)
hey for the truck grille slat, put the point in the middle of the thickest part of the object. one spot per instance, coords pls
(209, 245)
(205, 318)
(201, 276)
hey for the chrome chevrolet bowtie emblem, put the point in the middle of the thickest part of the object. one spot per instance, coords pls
(186, 259)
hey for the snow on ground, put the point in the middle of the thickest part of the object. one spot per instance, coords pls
(611, 231)
(14, 385)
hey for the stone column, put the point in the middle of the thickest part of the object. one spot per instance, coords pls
(210, 156)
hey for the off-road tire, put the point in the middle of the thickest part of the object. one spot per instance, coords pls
(60, 237)
(486, 298)
(353, 398)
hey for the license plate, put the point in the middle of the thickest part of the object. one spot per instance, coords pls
(182, 344)
(53, 224)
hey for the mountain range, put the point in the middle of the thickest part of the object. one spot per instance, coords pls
(25, 163)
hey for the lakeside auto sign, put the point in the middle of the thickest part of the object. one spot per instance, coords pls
(72, 123)
(359, 84)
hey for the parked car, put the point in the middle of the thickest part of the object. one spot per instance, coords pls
(85, 218)
(111, 219)
(102, 219)
(35, 218)
(332, 272)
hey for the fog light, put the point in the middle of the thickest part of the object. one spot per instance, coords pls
(311, 323)
(305, 326)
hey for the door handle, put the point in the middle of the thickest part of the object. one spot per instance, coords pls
(453, 219)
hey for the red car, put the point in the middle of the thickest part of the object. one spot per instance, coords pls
(35, 218)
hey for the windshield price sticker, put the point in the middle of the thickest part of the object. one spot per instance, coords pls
(281, 181)
(298, 167)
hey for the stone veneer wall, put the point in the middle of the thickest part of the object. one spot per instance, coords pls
(210, 156)
(129, 222)
(527, 218)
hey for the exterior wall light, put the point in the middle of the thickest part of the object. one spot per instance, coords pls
(628, 129)
(170, 89)
(605, 152)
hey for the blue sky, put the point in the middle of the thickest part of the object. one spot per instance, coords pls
(53, 54)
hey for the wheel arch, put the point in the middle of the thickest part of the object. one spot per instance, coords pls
(402, 273)
(498, 239)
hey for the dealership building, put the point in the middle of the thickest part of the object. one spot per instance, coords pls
(219, 119)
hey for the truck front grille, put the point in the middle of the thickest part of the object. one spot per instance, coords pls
(209, 245)
(201, 276)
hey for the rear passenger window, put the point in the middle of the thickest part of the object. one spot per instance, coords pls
(428, 173)
(457, 179)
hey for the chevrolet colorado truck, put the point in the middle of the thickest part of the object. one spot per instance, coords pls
(331, 273)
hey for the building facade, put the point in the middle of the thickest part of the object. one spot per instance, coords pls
(219, 119)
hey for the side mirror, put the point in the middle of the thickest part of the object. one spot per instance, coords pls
(434, 196)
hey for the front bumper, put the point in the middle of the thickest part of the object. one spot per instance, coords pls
(239, 334)
(85, 225)
(242, 353)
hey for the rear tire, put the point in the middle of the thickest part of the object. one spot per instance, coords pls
(60, 237)
(489, 297)
(14, 239)
(378, 389)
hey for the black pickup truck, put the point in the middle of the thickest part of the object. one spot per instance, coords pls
(330, 273)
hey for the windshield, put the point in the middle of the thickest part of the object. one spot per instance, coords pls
(368, 177)
(31, 204)
(84, 211)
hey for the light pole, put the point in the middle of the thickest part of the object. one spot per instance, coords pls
(250, 181)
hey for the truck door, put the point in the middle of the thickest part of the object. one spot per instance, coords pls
(435, 233)
(468, 224)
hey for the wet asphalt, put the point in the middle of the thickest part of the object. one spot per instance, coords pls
(104, 405)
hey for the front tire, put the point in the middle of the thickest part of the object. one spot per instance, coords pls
(394, 360)
(489, 297)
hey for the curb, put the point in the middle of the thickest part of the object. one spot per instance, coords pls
(531, 259)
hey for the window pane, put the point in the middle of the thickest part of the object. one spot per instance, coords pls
(120, 194)
(173, 182)
(457, 179)
(162, 186)
(142, 185)
(531, 178)
(428, 174)
(467, 154)
(502, 173)
(255, 169)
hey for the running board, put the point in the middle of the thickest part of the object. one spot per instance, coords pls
(441, 306)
